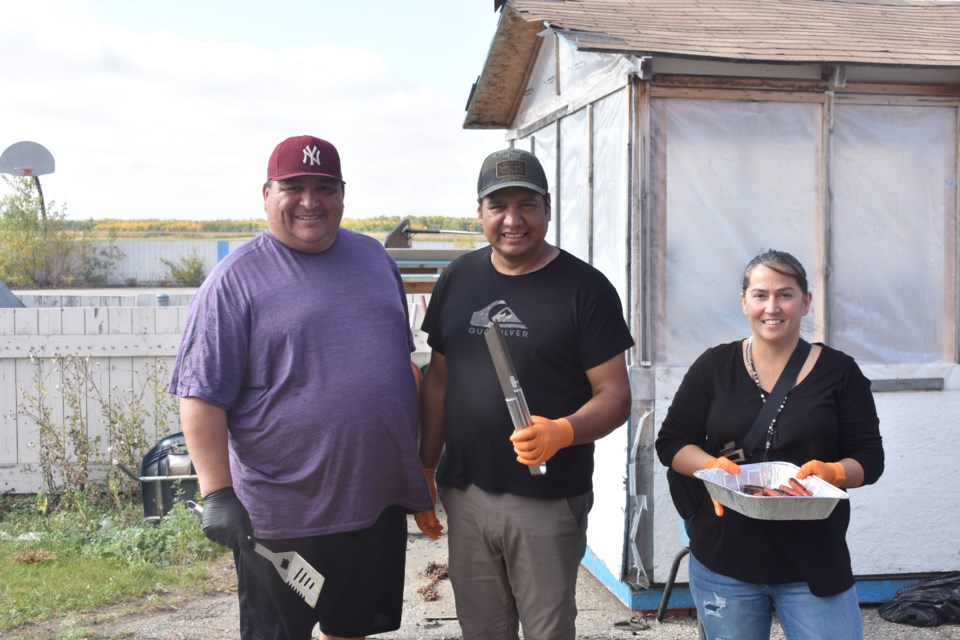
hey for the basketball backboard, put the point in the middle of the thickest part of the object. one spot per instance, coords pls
(26, 159)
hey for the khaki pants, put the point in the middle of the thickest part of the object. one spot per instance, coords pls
(514, 561)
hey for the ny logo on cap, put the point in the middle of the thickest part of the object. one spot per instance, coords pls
(311, 155)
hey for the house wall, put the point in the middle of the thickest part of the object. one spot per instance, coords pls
(864, 193)
(859, 182)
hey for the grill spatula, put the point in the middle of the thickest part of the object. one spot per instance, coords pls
(291, 566)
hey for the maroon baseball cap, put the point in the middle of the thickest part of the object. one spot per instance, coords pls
(304, 156)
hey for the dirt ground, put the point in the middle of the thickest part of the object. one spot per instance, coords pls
(209, 611)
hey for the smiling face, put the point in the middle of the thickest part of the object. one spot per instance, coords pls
(774, 303)
(304, 212)
(514, 221)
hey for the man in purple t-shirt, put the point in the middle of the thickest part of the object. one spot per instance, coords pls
(299, 409)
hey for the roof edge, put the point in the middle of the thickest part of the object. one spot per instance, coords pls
(496, 93)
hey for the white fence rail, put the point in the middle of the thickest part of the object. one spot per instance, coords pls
(171, 298)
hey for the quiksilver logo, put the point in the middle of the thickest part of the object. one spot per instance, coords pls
(510, 324)
(311, 155)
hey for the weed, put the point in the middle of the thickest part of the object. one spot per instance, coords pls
(68, 452)
(188, 271)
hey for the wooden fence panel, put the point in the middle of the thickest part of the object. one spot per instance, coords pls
(115, 350)
(29, 376)
(8, 421)
(8, 394)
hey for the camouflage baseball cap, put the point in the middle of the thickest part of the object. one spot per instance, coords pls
(511, 168)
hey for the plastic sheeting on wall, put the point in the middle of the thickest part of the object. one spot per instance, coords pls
(894, 208)
(611, 190)
(543, 144)
(573, 208)
(737, 178)
(559, 64)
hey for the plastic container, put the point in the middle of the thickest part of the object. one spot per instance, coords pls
(725, 488)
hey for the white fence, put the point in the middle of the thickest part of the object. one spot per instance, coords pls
(143, 263)
(123, 349)
(107, 298)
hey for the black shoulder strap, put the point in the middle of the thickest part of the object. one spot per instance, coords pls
(784, 383)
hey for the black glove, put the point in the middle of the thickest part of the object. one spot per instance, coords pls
(225, 520)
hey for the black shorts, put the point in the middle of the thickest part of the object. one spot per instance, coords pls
(362, 592)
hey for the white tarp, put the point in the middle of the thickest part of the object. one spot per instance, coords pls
(740, 177)
(894, 200)
(573, 206)
(543, 144)
(611, 189)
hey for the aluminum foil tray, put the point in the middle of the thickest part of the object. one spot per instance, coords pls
(725, 488)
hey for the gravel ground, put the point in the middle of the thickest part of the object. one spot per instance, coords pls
(209, 612)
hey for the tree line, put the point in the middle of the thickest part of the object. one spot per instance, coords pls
(188, 228)
(40, 247)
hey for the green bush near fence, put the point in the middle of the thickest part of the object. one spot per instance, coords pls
(188, 271)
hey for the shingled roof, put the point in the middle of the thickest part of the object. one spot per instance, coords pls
(886, 32)
(877, 33)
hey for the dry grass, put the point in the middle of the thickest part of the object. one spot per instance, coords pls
(435, 571)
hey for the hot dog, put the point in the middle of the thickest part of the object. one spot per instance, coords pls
(793, 488)
(796, 484)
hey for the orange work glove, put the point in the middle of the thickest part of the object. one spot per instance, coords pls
(540, 441)
(427, 520)
(832, 472)
(727, 465)
(724, 463)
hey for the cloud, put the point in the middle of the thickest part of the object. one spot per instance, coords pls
(159, 125)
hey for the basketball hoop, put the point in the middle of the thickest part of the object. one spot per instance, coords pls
(28, 159)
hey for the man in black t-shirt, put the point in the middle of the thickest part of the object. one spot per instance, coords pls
(517, 538)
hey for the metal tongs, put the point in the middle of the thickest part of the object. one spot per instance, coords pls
(512, 392)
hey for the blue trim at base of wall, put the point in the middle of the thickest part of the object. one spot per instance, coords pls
(868, 591)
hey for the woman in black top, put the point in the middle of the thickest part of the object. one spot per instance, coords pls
(742, 567)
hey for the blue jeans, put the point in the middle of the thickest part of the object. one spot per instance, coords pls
(730, 609)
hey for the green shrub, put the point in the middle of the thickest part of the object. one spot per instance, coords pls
(188, 271)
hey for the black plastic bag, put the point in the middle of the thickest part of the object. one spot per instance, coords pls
(926, 604)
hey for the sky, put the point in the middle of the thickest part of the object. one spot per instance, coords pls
(170, 109)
